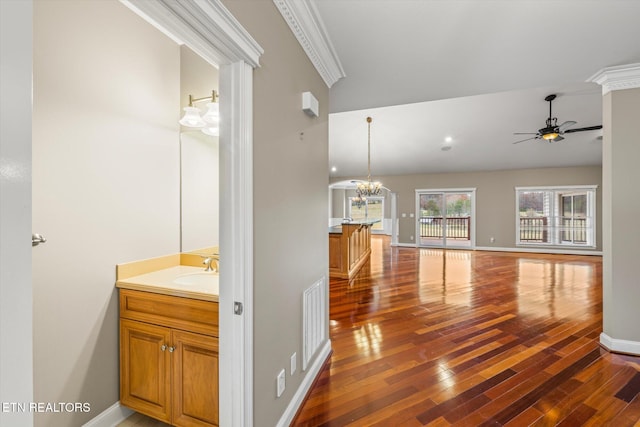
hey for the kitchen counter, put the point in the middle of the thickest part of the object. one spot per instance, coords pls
(349, 247)
(337, 229)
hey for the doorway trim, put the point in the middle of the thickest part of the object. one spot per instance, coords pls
(212, 32)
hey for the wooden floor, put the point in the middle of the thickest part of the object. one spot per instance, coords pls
(463, 338)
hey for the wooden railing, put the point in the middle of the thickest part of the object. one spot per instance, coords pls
(576, 228)
(536, 230)
(456, 227)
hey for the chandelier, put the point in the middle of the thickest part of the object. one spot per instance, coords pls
(367, 188)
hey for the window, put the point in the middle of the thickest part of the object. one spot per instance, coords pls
(372, 209)
(560, 216)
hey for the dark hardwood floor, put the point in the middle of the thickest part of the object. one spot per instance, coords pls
(463, 338)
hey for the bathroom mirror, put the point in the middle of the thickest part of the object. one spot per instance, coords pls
(199, 160)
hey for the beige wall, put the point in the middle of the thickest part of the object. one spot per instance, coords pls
(290, 200)
(495, 197)
(622, 208)
(105, 187)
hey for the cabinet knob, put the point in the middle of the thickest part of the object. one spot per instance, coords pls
(171, 349)
(163, 348)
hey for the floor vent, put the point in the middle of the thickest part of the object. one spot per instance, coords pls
(314, 310)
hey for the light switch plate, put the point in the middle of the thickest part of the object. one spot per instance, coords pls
(294, 363)
(280, 383)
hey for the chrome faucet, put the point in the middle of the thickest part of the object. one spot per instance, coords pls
(208, 260)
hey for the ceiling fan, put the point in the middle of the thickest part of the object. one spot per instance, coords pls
(552, 132)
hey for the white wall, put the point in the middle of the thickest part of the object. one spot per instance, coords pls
(105, 186)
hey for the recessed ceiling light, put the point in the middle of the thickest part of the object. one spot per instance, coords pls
(448, 139)
(333, 169)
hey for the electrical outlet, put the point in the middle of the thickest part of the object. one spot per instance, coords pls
(493, 239)
(280, 383)
(411, 237)
(294, 363)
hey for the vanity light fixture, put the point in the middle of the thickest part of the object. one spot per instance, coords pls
(367, 188)
(209, 122)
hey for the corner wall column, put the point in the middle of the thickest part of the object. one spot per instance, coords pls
(621, 206)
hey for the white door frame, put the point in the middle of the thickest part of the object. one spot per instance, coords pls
(394, 218)
(209, 29)
(16, 290)
(446, 191)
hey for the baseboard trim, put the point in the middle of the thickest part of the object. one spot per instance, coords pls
(110, 417)
(499, 249)
(300, 395)
(405, 245)
(619, 346)
(539, 251)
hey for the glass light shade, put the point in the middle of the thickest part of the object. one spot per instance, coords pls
(369, 188)
(359, 201)
(192, 118)
(548, 136)
(211, 131)
(212, 116)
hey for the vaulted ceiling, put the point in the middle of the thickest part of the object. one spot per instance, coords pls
(475, 71)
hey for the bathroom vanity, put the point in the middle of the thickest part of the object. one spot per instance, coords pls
(169, 340)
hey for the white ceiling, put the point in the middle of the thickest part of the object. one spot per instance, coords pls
(475, 70)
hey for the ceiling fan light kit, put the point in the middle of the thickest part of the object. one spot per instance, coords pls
(552, 132)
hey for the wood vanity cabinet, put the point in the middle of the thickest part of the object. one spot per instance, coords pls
(169, 357)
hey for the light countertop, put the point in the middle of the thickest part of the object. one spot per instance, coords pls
(337, 229)
(181, 280)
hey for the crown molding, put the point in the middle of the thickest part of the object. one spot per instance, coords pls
(206, 26)
(305, 22)
(617, 78)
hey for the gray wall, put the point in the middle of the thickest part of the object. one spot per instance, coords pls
(621, 176)
(495, 197)
(290, 200)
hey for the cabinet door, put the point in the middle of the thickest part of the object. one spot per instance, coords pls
(195, 379)
(145, 368)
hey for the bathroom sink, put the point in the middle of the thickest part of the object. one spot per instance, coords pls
(197, 279)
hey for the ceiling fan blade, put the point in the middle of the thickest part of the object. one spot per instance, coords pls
(566, 125)
(583, 129)
(528, 139)
(556, 139)
(525, 133)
